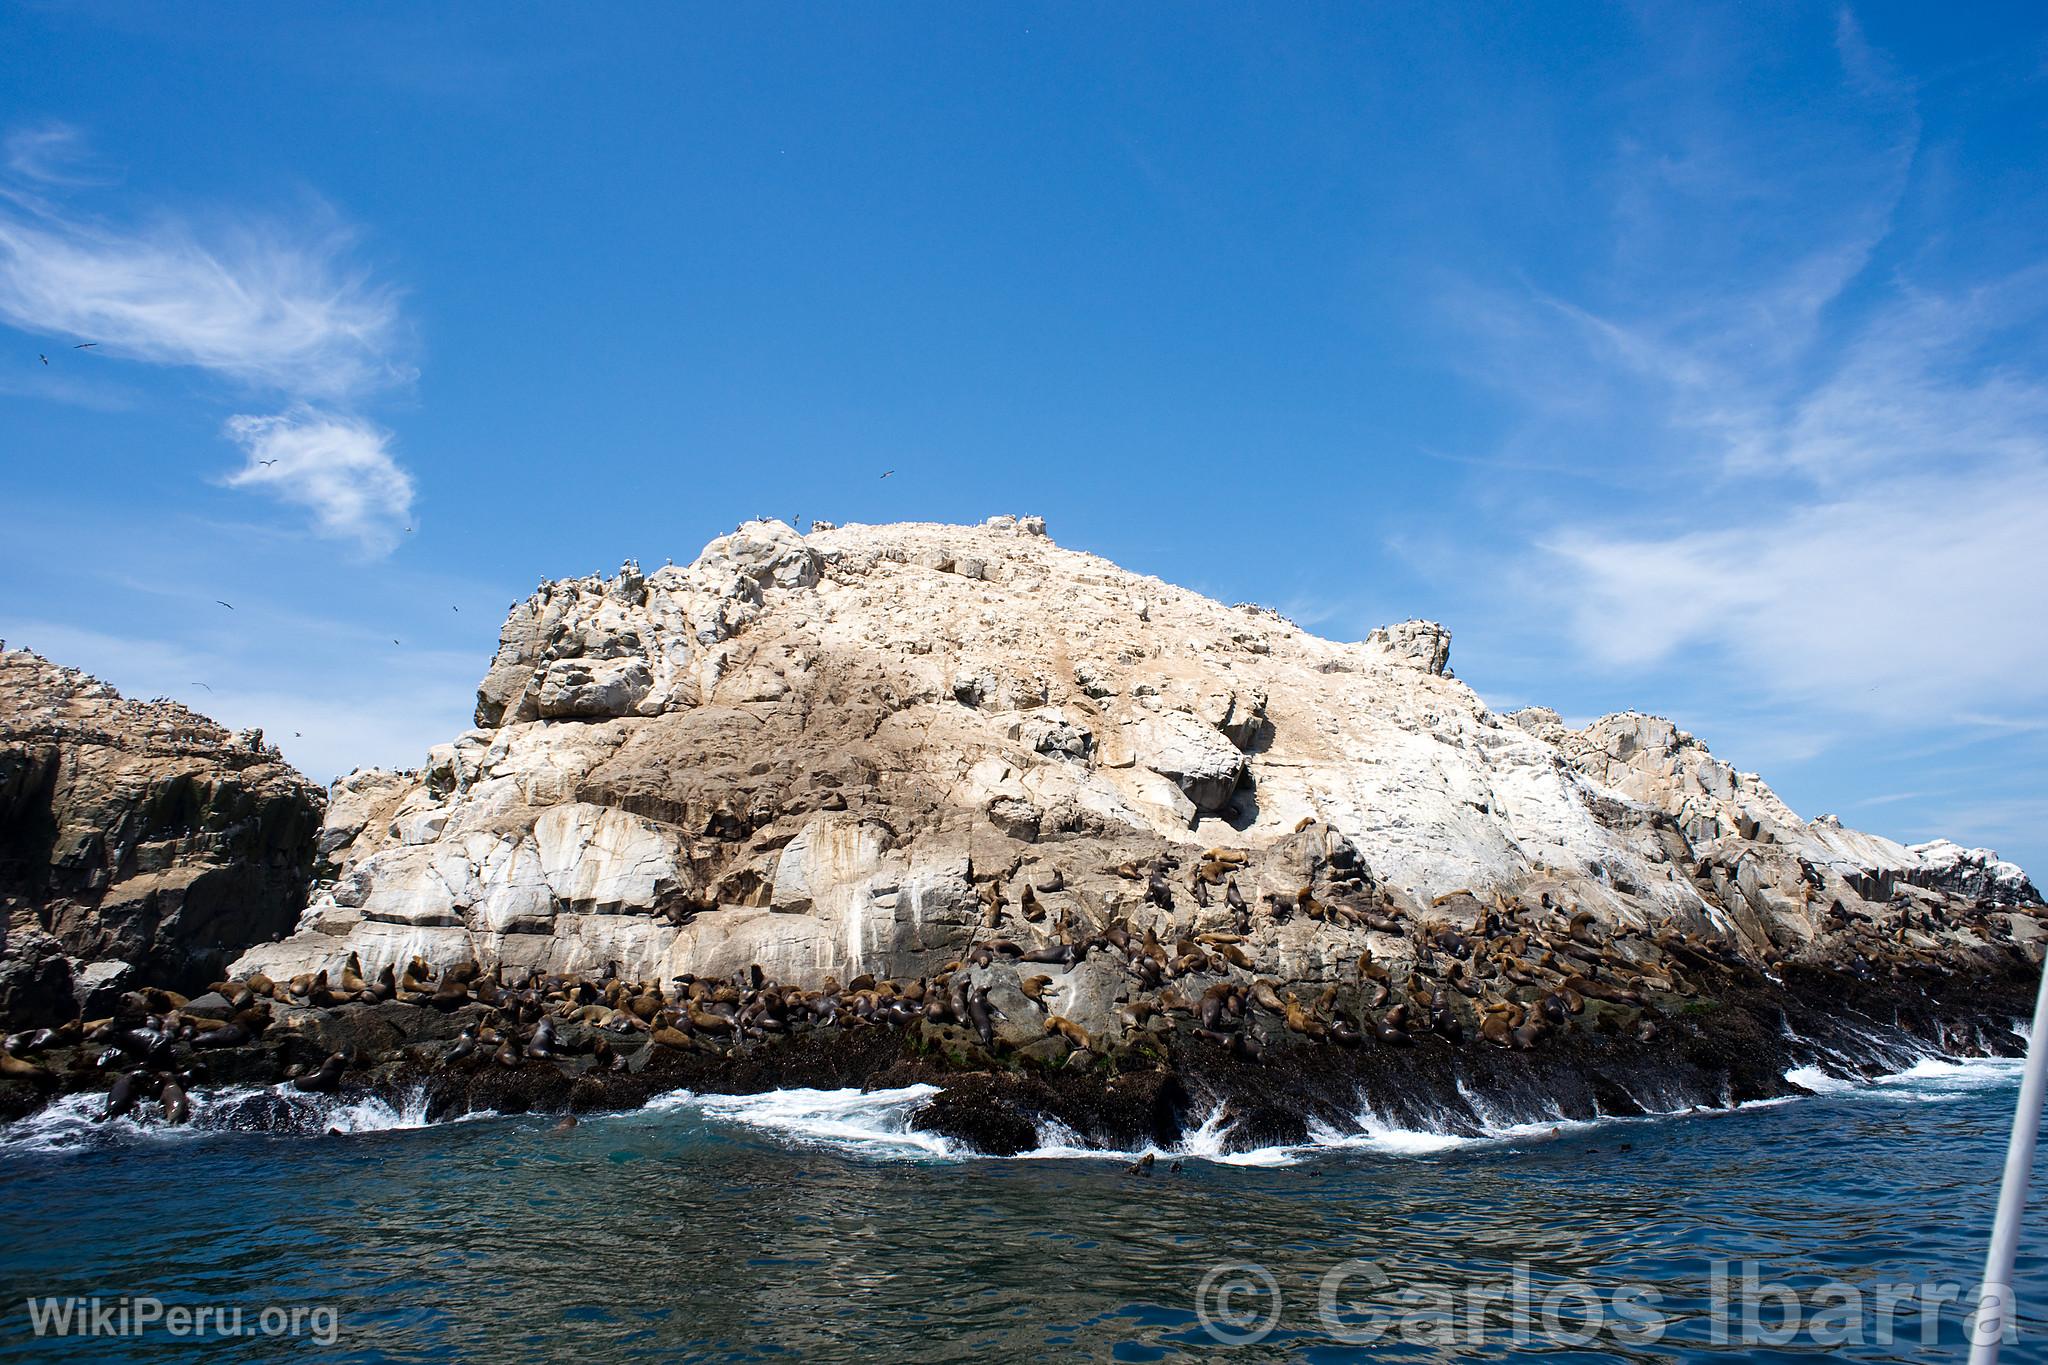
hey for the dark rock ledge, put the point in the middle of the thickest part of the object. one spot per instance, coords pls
(1731, 1044)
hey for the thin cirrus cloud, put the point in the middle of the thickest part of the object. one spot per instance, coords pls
(1834, 441)
(1897, 498)
(46, 154)
(275, 307)
(1909, 600)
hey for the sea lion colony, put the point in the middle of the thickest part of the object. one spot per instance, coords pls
(1511, 977)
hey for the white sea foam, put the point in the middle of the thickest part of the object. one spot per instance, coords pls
(864, 1120)
(73, 1122)
(1819, 1081)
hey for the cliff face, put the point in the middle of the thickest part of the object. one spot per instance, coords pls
(138, 841)
(859, 750)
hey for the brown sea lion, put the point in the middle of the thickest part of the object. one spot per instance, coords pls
(1069, 1030)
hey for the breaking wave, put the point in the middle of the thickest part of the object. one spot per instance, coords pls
(882, 1124)
(72, 1123)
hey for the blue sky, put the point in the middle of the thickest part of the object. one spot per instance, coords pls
(1679, 358)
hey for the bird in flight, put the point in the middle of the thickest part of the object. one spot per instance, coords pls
(201, 684)
(229, 605)
(887, 472)
(297, 735)
(396, 642)
(266, 463)
(85, 345)
(40, 356)
(455, 608)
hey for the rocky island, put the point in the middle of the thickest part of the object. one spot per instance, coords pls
(874, 805)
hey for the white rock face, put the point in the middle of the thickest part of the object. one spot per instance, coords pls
(825, 753)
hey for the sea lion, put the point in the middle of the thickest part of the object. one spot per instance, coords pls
(978, 1012)
(1302, 1021)
(177, 1107)
(234, 1033)
(1498, 1021)
(327, 1079)
(450, 995)
(542, 1044)
(1142, 1166)
(30, 1040)
(1069, 1030)
(464, 1045)
(125, 1094)
(1214, 1001)
(1034, 989)
(708, 1021)
(1444, 1024)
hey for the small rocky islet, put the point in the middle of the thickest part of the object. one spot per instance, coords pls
(877, 806)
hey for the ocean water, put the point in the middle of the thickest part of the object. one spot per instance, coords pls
(819, 1225)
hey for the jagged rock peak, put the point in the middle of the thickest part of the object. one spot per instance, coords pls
(45, 701)
(593, 647)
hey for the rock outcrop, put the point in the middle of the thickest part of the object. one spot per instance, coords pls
(863, 750)
(138, 841)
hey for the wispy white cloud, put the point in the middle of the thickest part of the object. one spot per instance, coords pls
(1874, 542)
(1848, 466)
(279, 307)
(274, 307)
(47, 154)
(1902, 597)
(338, 468)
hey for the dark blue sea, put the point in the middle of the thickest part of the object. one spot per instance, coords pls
(812, 1225)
